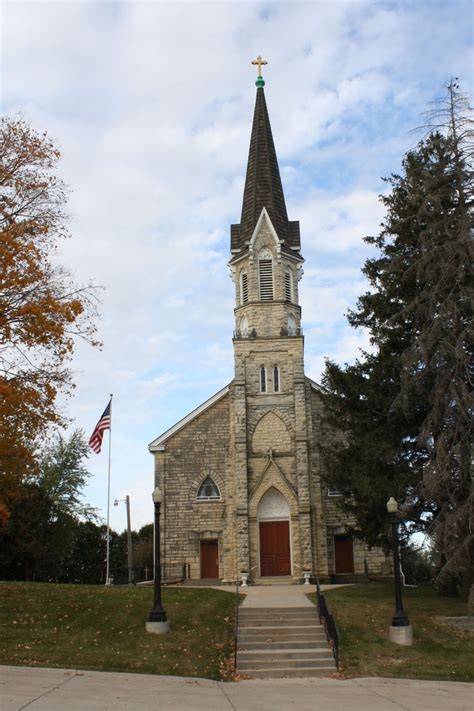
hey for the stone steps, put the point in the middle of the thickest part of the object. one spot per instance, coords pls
(282, 642)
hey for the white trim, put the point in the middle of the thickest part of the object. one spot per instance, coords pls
(264, 215)
(158, 444)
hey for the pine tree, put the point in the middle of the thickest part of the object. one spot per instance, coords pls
(403, 409)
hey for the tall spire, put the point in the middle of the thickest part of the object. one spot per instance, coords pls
(263, 188)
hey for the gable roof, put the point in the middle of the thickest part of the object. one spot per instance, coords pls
(158, 444)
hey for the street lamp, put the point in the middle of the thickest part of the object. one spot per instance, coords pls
(401, 631)
(129, 537)
(157, 621)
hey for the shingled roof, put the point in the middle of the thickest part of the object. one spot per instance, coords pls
(263, 188)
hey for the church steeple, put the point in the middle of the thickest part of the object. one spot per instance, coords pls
(263, 188)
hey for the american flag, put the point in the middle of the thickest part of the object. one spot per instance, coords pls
(95, 442)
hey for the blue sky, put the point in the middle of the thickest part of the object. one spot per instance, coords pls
(151, 104)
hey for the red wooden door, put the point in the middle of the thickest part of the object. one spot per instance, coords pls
(275, 548)
(209, 559)
(344, 554)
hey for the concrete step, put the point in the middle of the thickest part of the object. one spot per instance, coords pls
(282, 618)
(283, 644)
(297, 622)
(275, 664)
(298, 637)
(277, 580)
(280, 642)
(275, 610)
(285, 672)
(278, 654)
(282, 629)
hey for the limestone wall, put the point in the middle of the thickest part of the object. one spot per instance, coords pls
(198, 450)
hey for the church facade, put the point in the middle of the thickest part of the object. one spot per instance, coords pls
(241, 475)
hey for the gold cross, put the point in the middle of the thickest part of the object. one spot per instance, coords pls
(258, 62)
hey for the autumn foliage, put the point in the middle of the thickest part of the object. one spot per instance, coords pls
(42, 312)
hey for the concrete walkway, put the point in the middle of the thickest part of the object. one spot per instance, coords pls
(37, 689)
(280, 595)
(276, 595)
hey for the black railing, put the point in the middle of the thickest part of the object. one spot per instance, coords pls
(170, 573)
(236, 628)
(329, 623)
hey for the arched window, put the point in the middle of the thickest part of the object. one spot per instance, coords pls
(244, 327)
(291, 325)
(263, 379)
(265, 274)
(208, 491)
(288, 285)
(276, 379)
(244, 287)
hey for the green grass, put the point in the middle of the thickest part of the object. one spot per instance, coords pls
(93, 627)
(363, 614)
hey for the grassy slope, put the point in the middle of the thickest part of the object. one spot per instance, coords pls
(92, 627)
(363, 614)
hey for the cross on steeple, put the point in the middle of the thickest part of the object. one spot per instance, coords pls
(259, 62)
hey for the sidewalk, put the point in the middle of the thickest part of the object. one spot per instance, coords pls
(279, 595)
(38, 689)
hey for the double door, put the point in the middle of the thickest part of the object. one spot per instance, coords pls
(275, 548)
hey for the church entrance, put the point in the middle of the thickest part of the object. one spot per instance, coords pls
(275, 548)
(209, 559)
(274, 534)
(344, 554)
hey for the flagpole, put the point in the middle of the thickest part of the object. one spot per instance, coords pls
(107, 574)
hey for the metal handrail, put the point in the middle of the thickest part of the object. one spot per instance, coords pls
(236, 627)
(329, 623)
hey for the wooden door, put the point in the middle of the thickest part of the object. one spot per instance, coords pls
(209, 559)
(275, 548)
(344, 554)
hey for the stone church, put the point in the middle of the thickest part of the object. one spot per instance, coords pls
(241, 474)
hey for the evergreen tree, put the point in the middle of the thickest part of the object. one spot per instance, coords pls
(403, 408)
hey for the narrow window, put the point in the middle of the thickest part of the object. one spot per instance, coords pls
(244, 327)
(265, 275)
(288, 285)
(276, 379)
(208, 490)
(244, 287)
(291, 325)
(263, 379)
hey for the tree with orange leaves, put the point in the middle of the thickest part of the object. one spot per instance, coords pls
(42, 312)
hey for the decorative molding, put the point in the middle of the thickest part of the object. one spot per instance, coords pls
(273, 505)
(264, 216)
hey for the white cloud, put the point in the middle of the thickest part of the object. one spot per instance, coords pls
(151, 104)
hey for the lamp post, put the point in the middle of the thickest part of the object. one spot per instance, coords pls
(157, 621)
(401, 631)
(129, 537)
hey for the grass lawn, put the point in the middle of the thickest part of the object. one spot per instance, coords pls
(93, 627)
(363, 614)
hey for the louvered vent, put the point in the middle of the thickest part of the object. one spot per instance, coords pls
(266, 279)
(245, 288)
(288, 289)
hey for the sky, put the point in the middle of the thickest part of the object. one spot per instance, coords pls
(151, 105)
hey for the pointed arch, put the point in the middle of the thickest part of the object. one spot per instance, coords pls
(271, 431)
(208, 491)
(273, 505)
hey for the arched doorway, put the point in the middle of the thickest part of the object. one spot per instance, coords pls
(273, 516)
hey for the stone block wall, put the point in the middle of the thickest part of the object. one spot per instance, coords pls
(198, 450)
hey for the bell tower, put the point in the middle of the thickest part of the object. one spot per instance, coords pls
(266, 265)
